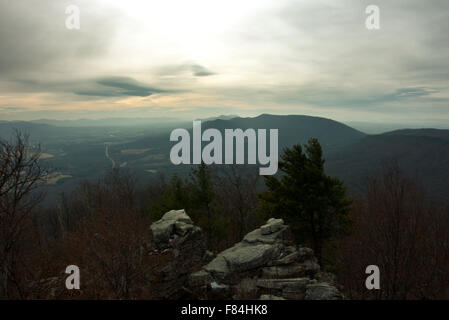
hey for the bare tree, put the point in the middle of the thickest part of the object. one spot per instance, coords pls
(113, 252)
(108, 238)
(237, 187)
(115, 192)
(400, 231)
(20, 174)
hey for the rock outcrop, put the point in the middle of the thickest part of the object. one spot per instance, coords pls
(175, 235)
(264, 265)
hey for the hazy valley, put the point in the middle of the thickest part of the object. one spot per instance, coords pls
(83, 149)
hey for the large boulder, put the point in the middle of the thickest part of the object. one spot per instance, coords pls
(173, 224)
(248, 257)
(254, 252)
(175, 235)
(264, 265)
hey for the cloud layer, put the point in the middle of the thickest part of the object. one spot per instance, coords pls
(279, 56)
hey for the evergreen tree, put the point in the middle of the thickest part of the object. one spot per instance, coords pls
(314, 204)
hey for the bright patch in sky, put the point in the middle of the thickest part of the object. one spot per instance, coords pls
(189, 30)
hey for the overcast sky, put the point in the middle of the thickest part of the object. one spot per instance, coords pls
(199, 58)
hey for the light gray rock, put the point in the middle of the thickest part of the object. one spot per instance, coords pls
(295, 290)
(272, 226)
(264, 264)
(199, 279)
(281, 284)
(240, 258)
(270, 297)
(244, 258)
(162, 231)
(176, 236)
(177, 215)
(305, 253)
(219, 291)
(256, 236)
(218, 268)
(322, 291)
(218, 286)
(173, 223)
(311, 266)
(181, 228)
(287, 259)
(284, 271)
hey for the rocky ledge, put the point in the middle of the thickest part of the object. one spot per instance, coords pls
(264, 265)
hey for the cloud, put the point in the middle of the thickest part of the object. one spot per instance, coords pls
(35, 41)
(287, 55)
(413, 92)
(200, 71)
(103, 87)
(184, 70)
(118, 86)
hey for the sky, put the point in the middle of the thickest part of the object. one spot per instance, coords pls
(202, 58)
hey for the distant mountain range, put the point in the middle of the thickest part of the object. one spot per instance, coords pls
(111, 122)
(78, 149)
(295, 129)
(221, 117)
(421, 153)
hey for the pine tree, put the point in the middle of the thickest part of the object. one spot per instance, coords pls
(314, 204)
